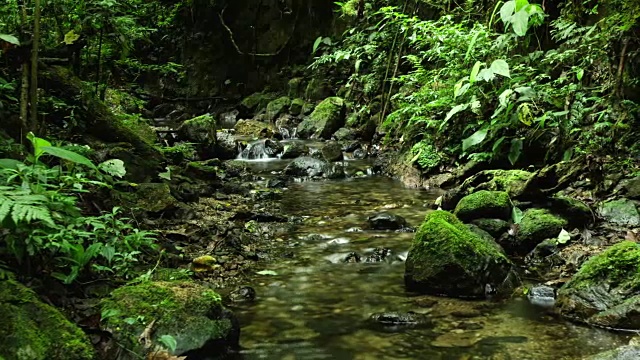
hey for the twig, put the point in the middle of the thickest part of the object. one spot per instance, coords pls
(623, 55)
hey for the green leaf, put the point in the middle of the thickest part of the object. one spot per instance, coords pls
(520, 22)
(474, 139)
(564, 237)
(506, 11)
(456, 109)
(474, 71)
(521, 4)
(460, 88)
(107, 313)
(504, 98)
(169, 342)
(71, 37)
(516, 215)
(113, 167)
(38, 144)
(486, 75)
(165, 175)
(496, 145)
(500, 67)
(10, 39)
(267, 272)
(10, 164)
(68, 155)
(316, 44)
(580, 74)
(514, 152)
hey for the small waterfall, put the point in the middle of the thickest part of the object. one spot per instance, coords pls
(261, 149)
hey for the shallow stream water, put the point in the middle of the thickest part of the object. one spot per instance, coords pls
(317, 306)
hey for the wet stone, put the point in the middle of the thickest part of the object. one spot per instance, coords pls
(243, 294)
(542, 296)
(352, 257)
(378, 255)
(386, 221)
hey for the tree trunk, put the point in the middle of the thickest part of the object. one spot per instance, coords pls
(34, 66)
(24, 88)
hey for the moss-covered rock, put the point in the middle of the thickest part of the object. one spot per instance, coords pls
(622, 212)
(33, 330)
(606, 290)
(295, 87)
(190, 313)
(446, 258)
(201, 129)
(204, 170)
(332, 151)
(326, 119)
(296, 107)
(254, 103)
(153, 197)
(317, 90)
(308, 108)
(254, 129)
(495, 227)
(536, 225)
(632, 188)
(277, 107)
(575, 211)
(484, 204)
(294, 149)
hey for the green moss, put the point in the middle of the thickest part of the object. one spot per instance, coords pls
(511, 181)
(32, 330)
(484, 204)
(425, 155)
(137, 125)
(443, 240)
(327, 118)
(200, 129)
(495, 227)
(253, 128)
(153, 197)
(296, 107)
(187, 311)
(257, 101)
(541, 224)
(619, 265)
(277, 107)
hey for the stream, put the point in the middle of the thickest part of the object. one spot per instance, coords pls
(316, 306)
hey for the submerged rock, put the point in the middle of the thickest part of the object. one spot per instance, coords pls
(310, 167)
(34, 330)
(606, 290)
(243, 294)
(398, 319)
(332, 151)
(192, 314)
(627, 352)
(386, 221)
(484, 204)
(542, 296)
(446, 258)
(326, 119)
(622, 212)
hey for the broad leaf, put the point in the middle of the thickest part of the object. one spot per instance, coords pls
(514, 152)
(38, 144)
(316, 44)
(10, 39)
(460, 89)
(456, 109)
(474, 72)
(500, 67)
(113, 167)
(505, 97)
(71, 37)
(507, 10)
(521, 4)
(169, 342)
(10, 163)
(486, 75)
(580, 74)
(525, 92)
(68, 155)
(564, 237)
(520, 22)
(475, 139)
(516, 215)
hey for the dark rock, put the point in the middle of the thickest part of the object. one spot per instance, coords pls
(243, 294)
(484, 204)
(294, 149)
(204, 170)
(326, 119)
(277, 107)
(309, 167)
(262, 149)
(317, 89)
(226, 146)
(332, 151)
(352, 146)
(296, 107)
(575, 211)
(446, 258)
(154, 197)
(378, 255)
(254, 103)
(352, 257)
(621, 212)
(345, 134)
(295, 88)
(495, 227)
(201, 131)
(386, 221)
(627, 352)
(542, 296)
(359, 154)
(632, 188)
(606, 290)
(277, 183)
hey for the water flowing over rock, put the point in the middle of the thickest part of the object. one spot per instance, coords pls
(606, 290)
(262, 149)
(627, 352)
(446, 258)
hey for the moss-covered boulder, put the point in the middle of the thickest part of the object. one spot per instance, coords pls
(295, 87)
(296, 107)
(332, 151)
(277, 107)
(326, 119)
(345, 134)
(606, 290)
(510, 181)
(632, 188)
(621, 212)
(204, 170)
(447, 258)
(294, 149)
(153, 197)
(190, 313)
(201, 131)
(317, 89)
(484, 204)
(254, 103)
(254, 129)
(33, 330)
(536, 226)
(575, 211)
(495, 227)
(310, 167)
